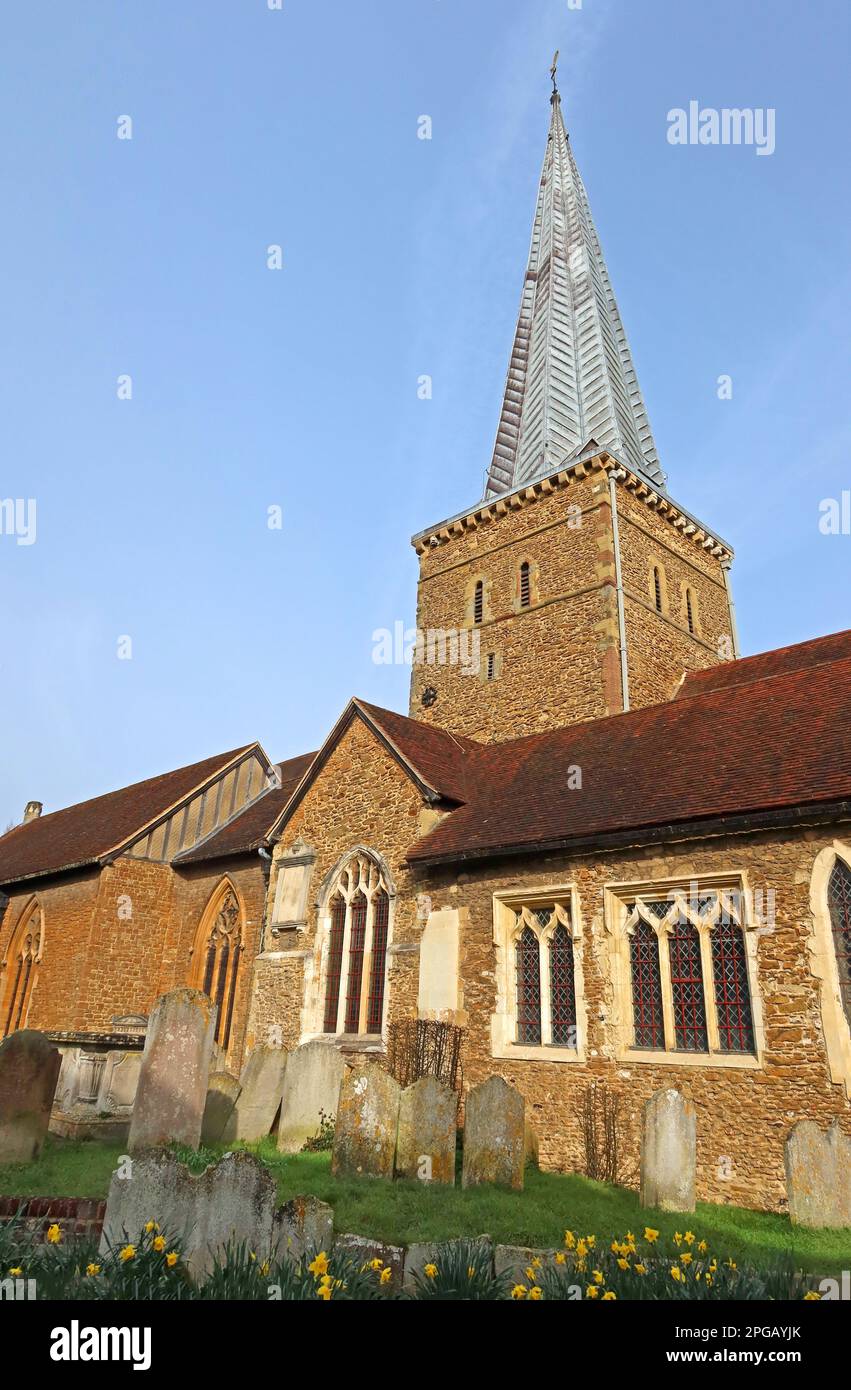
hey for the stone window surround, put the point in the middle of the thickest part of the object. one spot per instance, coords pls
(506, 930)
(617, 899)
(31, 914)
(835, 1026)
(316, 963)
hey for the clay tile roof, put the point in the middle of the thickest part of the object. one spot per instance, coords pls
(80, 834)
(779, 741)
(835, 647)
(252, 826)
(442, 760)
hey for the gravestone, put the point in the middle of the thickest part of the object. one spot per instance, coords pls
(222, 1095)
(172, 1089)
(302, 1226)
(494, 1135)
(668, 1152)
(312, 1081)
(29, 1070)
(425, 1148)
(818, 1176)
(367, 1124)
(232, 1200)
(262, 1084)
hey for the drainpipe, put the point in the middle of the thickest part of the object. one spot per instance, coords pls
(614, 476)
(725, 569)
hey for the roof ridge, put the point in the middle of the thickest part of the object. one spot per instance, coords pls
(755, 680)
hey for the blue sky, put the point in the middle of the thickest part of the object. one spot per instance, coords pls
(255, 388)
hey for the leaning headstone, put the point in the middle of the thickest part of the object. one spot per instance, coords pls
(262, 1084)
(362, 1251)
(668, 1152)
(494, 1135)
(425, 1148)
(302, 1226)
(172, 1089)
(312, 1083)
(367, 1123)
(233, 1201)
(29, 1070)
(818, 1176)
(222, 1095)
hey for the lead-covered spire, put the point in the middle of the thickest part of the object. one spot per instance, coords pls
(571, 381)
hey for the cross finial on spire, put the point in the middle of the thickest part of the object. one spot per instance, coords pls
(554, 73)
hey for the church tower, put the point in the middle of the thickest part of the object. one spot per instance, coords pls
(576, 588)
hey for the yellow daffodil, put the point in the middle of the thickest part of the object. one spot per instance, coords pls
(172, 1258)
(608, 1297)
(92, 1270)
(264, 1268)
(812, 1297)
(623, 1264)
(713, 1266)
(324, 1291)
(689, 1238)
(430, 1271)
(676, 1273)
(581, 1249)
(151, 1226)
(686, 1257)
(630, 1238)
(703, 1247)
(590, 1241)
(731, 1264)
(386, 1275)
(569, 1239)
(597, 1276)
(535, 1295)
(519, 1291)
(709, 1280)
(592, 1291)
(650, 1235)
(375, 1265)
(128, 1253)
(16, 1272)
(319, 1266)
(678, 1240)
(54, 1234)
(561, 1258)
(159, 1244)
(640, 1269)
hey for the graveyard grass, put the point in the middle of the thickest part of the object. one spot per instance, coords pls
(406, 1212)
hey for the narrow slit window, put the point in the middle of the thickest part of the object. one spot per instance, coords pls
(690, 611)
(491, 666)
(525, 584)
(657, 587)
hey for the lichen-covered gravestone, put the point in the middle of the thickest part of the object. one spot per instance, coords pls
(231, 1201)
(222, 1095)
(494, 1135)
(312, 1083)
(818, 1176)
(367, 1123)
(262, 1084)
(29, 1070)
(669, 1152)
(174, 1075)
(425, 1148)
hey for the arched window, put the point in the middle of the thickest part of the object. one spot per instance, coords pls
(690, 607)
(525, 584)
(687, 987)
(732, 994)
(658, 591)
(356, 951)
(479, 603)
(839, 904)
(21, 970)
(545, 1006)
(218, 957)
(646, 987)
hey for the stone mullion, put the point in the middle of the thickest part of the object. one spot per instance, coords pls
(546, 993)
(344, 967)
(707, 972)
(667, 990)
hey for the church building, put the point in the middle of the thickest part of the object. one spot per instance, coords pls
(603, 844)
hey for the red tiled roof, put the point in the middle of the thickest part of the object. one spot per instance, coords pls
(442, 760)
(836, 647)
(251, 827)
(81, 834)
(779, 740)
